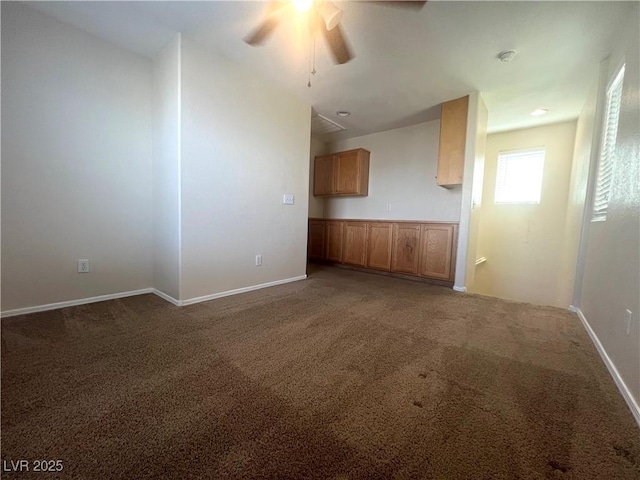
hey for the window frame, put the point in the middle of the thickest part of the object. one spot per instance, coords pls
(606, 154)
(528, 150)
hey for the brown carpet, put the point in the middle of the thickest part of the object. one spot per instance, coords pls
(344, 376)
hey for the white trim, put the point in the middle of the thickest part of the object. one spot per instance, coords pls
(166, 297)
(459, 289)
(73, 303)
(213, 296)
(179, 172)
(624, 390)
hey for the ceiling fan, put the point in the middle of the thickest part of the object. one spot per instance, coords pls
(324, 16)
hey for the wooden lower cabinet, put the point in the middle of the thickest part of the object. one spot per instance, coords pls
(379, 243)
(315, 242)
(406, 244)
(420, 249)
(334, 232)
(436, 251)
(355, 243)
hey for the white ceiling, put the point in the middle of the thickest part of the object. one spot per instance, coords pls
(406, 62)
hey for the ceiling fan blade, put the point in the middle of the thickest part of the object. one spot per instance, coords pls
(260, 34)
(337, 43)
(417, 5)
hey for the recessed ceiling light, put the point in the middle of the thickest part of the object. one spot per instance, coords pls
(343, 113)
(507, 55)
(538, 112)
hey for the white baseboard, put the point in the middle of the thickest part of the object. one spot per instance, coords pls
(624, 390)
(459, 289)
(73, 303)
(166, 297)
(191, 301)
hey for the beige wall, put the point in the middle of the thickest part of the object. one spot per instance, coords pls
(611, 260)
(167, 174)
(402, 174)
(524, 243)
(166, 170)
(577, 194)
(76, 163)
(245, 143)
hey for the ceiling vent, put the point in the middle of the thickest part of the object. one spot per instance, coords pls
(321, 125)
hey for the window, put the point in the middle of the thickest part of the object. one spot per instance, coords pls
(519, 177)
(607, 150)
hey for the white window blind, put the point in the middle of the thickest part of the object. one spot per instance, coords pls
(519, 178)
(607, 151)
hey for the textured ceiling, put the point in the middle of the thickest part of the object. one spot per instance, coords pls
(406, 62)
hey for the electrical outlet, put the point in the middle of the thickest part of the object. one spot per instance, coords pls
(388, 207)
(258, 260)
(83, 266)
(628, 319)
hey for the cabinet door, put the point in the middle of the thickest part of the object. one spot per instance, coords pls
(355, 243)
(334, 234)
(315, 246)
(323, 176)
(406, 244)
(436, 250)
(453, 134)
(380, 238)
(347, 169)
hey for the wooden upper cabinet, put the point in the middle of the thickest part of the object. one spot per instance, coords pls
(323, 177)
(436, 251)
(334, 233)
(355, 243)
(342, 174)
(315, 246)
(406, 244)
(453, 134)
(379, 242)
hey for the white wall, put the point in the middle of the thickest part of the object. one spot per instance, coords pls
(316, 204)
(524, 243)
(611, 261)
(166, 170)
(402, 173)
(578, 193)
(245, 143)
(475, 148)
(76, 163)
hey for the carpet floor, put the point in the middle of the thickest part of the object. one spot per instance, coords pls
(343, 376)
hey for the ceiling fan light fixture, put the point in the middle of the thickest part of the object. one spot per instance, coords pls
(330, 14)
(302, 5)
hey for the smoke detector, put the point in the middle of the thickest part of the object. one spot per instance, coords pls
(507, 55)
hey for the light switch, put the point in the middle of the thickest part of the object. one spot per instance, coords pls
(288, 199)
